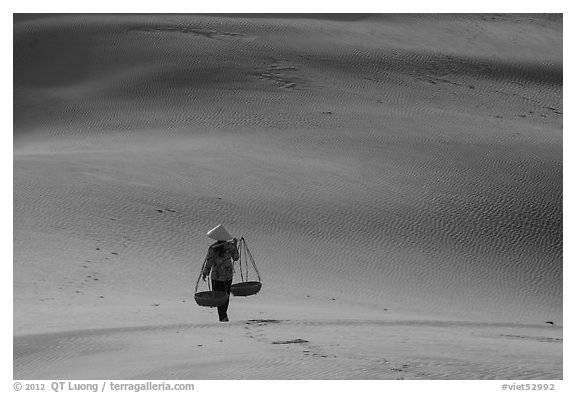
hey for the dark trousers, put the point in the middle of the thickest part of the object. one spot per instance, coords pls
(224, 286)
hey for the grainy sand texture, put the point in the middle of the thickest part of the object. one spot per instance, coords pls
(398, 179)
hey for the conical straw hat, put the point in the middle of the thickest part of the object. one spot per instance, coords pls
(219, 233)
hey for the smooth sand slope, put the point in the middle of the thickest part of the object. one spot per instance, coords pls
(398, 180)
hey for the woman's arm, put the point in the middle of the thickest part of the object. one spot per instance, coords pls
(235, 254)
(209, 263)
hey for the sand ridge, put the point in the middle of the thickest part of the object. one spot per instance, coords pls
(295, 349)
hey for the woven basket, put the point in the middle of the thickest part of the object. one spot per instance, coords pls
(247, 288)
(211, 298)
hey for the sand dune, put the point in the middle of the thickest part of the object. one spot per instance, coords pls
(295, 349)
(383, 169)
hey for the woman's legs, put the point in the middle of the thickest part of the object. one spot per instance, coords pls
(224, 286)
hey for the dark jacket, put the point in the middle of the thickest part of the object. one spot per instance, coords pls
(219, 261)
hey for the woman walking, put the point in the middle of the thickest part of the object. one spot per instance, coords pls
(220, 266)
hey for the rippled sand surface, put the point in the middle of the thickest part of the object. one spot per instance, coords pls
(396, 177)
